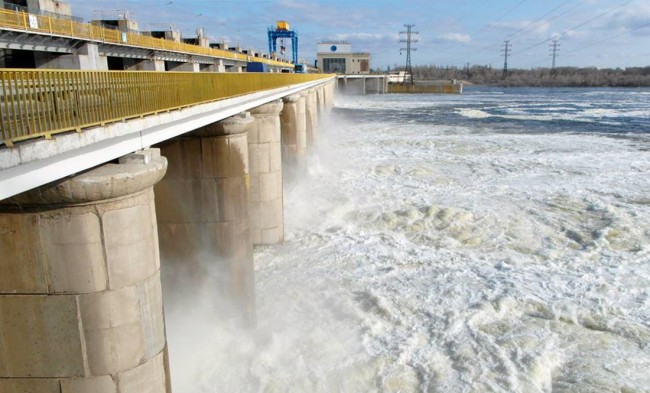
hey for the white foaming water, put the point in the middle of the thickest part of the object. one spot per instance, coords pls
(445, 258)
(473, 113)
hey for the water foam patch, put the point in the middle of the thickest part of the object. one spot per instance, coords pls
(456, 253)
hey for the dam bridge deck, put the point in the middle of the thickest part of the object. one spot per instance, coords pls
(55, 123)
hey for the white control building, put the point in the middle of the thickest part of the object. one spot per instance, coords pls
(337, 57)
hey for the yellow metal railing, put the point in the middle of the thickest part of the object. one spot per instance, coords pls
(35, 103)
(45, 24)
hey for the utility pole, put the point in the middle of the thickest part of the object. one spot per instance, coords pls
(409, 39)
(554, 49)
(506, 50)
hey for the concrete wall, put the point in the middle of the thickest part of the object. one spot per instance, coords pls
(53, 6)
(80, 296)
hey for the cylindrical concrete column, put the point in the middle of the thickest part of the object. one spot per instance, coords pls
(80, 298)
(293, 122)
(329, 90)
(264, 146)
(320, 101)
(311, 118)
(203, 209)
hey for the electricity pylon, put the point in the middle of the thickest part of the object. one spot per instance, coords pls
(409, 39)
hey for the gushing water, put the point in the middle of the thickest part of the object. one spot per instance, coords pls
(495, 241)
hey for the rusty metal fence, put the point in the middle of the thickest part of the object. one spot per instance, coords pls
(39, 103)
(447, 88)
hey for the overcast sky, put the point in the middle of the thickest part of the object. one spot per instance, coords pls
(600, 33)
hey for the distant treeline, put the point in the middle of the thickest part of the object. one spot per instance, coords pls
(540, 77)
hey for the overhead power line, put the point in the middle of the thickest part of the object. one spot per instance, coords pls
(608, 38)
(487, 25)
(545, 15)
(540, 18)
(502, 16)
(578, 26)
(493, 46)
(595, 43)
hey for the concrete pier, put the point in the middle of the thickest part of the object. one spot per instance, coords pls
(362, 84)
(86, 57)
(80, 298)
(311, 118)
(320, 101)
(329, 90)
(293, 122)
(264, 145)
(203, 209)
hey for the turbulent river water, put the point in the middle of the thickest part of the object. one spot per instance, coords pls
(496, 241)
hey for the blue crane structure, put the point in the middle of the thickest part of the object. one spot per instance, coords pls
(282, 31)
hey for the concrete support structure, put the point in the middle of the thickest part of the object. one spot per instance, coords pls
(144, 65)
(203, 209)
(325, 98)
(311, 118)
(80, 298)
(329, 89)
(377, 85)
(220, 66)
(354, 86)
(362, 84)
(320, 101)
(178, 66)
(209, 67)
(293, 122)
(50, 6)
(87, 57)
(264, 145)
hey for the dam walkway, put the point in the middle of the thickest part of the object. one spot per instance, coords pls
(107, 175)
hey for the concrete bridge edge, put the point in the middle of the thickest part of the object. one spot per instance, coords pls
(36, 163)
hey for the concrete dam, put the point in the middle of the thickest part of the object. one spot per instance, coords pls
(80, 291)
(106, 175)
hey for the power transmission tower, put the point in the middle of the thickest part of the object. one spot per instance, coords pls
(409, 39)
(554, 49)
(506, 50)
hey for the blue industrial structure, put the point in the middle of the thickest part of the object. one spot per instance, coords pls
(282, 31)
(256, 66)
